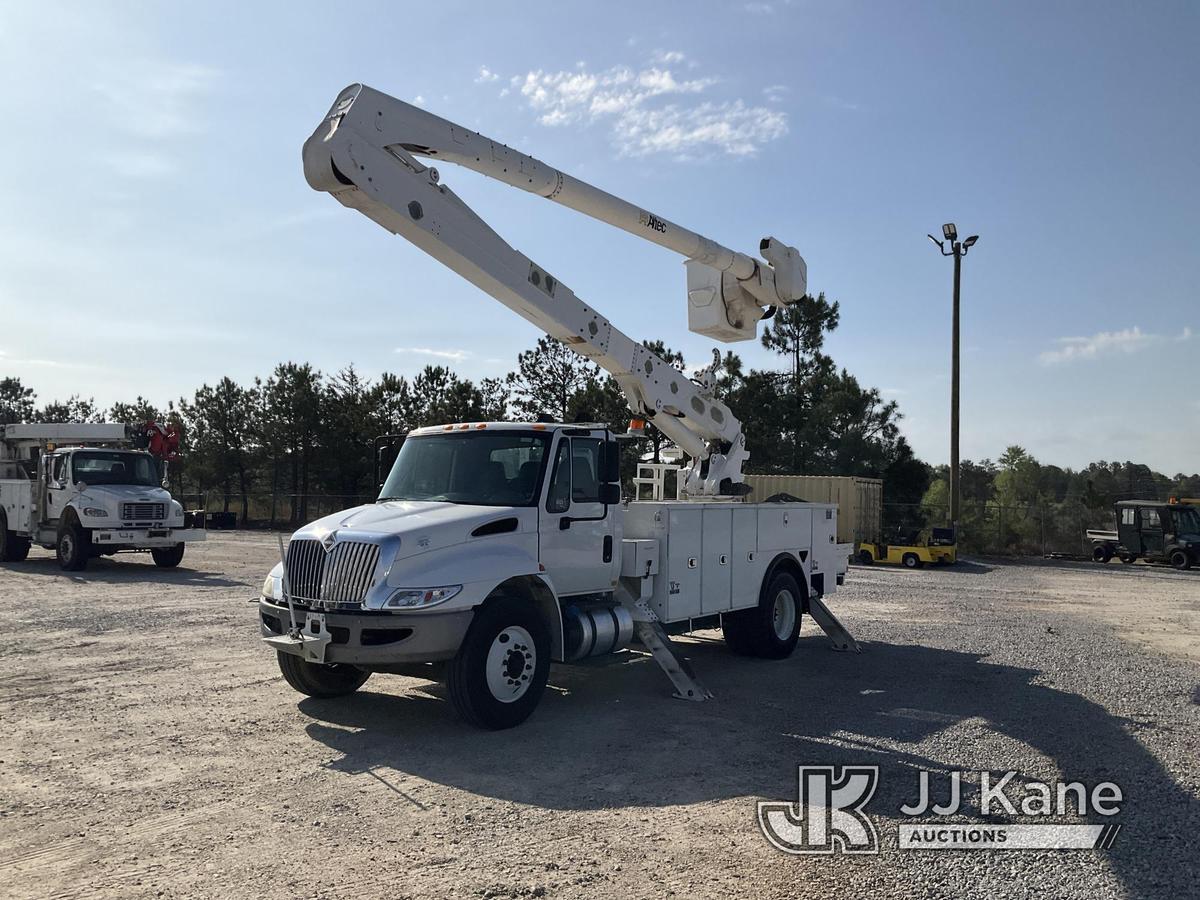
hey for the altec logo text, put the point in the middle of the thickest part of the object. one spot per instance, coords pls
(653, 222)
(829, 814)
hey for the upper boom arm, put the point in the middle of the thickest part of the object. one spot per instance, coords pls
(364, 154)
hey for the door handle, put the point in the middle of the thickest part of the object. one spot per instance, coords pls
(608, 548)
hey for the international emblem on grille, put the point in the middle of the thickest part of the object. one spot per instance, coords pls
(328, 541)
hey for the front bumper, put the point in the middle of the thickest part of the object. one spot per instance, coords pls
(146, 538)
(374, 638)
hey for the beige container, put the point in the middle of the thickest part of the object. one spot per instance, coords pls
(859, 500)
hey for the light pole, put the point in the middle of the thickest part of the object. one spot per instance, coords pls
(958, 249)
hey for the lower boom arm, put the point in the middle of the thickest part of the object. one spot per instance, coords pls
(363, 154)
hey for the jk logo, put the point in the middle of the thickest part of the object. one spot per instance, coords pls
(827, 816)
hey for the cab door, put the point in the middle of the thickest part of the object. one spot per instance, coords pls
(59, 490)
(576, 527)
(1152, 532)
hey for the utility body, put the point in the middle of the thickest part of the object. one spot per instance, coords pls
(495, 548)
(1151, 530)
(87, 490)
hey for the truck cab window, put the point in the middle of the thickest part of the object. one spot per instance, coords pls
(585, 470)
(1150, 519)
(1127, 515)
(558, 498)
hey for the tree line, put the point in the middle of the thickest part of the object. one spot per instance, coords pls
(300, 432)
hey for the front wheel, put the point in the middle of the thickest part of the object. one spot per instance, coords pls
(318, 680)
(1128, 558)
(771, 629)
(498, 676)
(865, 557)
(168, 557)
(1180, 559)
(72, 549)
(911, 561)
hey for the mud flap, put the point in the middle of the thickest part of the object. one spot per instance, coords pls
(838, 635)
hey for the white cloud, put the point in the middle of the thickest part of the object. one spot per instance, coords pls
(1106, 343)
(775, 92)
(668, 57)
(650, 110)
(486, 76)
(450, 354)
(155, 99)
(759, 9)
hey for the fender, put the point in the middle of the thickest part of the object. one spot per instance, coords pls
(788, 562)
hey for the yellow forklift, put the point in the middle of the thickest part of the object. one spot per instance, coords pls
(940, 548)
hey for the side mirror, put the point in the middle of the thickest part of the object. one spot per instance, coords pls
(610, 494)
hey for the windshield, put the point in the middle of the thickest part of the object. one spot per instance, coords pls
(497, 468)
(95, 467)
(1187, 521)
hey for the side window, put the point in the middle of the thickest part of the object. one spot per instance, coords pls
(585, 470)
(1150, 519)
(558, 499)
(1127, 515)
(58, 469)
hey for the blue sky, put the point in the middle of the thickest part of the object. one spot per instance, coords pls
(156, 231)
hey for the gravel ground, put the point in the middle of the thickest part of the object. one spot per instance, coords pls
(150, 748)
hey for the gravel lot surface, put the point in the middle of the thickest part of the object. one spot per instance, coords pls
(150, 748)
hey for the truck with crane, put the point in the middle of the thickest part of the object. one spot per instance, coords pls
(90, 489)
(496, 547)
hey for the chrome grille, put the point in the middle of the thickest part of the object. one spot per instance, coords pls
(142, 512)
(341, 576)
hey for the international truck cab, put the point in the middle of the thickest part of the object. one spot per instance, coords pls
(97, 498)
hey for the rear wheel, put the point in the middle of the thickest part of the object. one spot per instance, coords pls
(911, 561)
(771, 629)
(1101, 554)
(319, 680)
(168, 557)
(1128, 558)
(498, 676)
(865, 557)
(1180, 559)
(73, 548)
(13, 547)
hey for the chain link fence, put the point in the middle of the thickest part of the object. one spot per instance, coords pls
(989, 529)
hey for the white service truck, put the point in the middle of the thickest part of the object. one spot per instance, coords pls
(86, 490)
(494, 548)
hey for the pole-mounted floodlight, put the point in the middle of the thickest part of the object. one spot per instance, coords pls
(958, 251)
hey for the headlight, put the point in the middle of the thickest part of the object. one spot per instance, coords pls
(95, 513)
(268, 587)
(421, 598)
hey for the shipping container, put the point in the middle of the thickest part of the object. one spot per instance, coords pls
(859, 500)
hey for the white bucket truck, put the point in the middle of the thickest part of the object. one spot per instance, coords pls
(87, 490)
(495, 548)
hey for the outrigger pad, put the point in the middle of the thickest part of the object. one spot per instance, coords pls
(823, 616)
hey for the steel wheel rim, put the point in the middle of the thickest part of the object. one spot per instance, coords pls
(783, 615)
(68, 546)
(511, 662)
